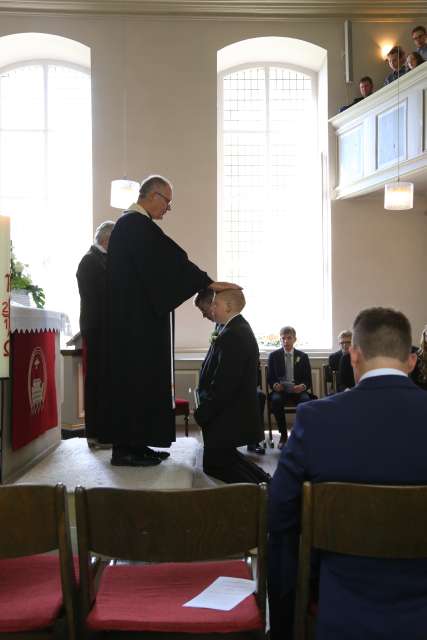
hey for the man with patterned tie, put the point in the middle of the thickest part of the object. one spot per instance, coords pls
(289, 378)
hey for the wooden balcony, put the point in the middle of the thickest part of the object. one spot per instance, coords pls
(366, 137)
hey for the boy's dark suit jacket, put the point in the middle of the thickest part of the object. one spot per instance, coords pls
(376, 433)
(229, 410)
(276, 368)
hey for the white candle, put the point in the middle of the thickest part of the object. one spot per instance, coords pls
(4, 295)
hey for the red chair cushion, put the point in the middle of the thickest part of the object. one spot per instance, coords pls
(30, 593)
(150, 598)
(182, 407)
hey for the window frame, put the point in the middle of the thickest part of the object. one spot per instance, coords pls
(45, 63)
(322, 175)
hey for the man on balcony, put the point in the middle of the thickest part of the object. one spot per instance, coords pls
(419, 36)
(396, 61)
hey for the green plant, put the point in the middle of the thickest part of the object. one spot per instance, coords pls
(21, 280)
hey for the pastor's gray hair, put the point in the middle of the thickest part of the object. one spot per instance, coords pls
(103, 231)
(151, 184)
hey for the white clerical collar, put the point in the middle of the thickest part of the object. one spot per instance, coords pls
(99, 247)
(137, 207)
(386, 371)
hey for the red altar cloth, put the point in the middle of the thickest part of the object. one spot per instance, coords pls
(34, 408)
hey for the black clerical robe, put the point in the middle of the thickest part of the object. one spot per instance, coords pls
(148, 276)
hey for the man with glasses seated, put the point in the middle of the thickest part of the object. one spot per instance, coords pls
(344, 340)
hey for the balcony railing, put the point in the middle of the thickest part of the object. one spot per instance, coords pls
(367, 136)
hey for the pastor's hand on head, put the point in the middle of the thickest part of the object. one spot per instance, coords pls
(222, 286)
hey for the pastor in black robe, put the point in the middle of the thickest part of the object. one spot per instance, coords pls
(148, 276)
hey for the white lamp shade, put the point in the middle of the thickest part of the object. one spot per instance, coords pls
(123, 193)
(399, 196)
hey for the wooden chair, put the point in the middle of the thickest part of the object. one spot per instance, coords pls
(37, 591)
(331, 521)
(182, 408)
(187, 534)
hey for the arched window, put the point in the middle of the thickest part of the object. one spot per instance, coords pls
(273, 227)
(46, 171)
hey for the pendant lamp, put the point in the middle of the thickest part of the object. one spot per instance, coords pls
(124, 191)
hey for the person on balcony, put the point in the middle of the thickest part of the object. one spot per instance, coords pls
(396, 61)
(414, 59)
(366, 88)
(419, 36)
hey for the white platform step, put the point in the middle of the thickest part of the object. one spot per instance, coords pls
(73, 464)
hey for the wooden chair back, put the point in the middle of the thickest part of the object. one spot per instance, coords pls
(34, 521)
(394, 526)
(329, 377)
(171, 526)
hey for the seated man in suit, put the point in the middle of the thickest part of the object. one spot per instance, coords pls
(289, 378)
(374, 434)
(203, 301)
(344, 340)
(228, 410)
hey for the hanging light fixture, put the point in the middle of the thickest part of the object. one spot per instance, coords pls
(124, 191)
(398, 196)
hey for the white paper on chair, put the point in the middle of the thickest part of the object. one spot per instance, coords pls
(223, 594)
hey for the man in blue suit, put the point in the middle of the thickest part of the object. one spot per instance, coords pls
(376, 433)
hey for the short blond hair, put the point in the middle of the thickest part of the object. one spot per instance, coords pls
(234, 297)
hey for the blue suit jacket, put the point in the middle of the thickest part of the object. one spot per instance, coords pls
(375, 433)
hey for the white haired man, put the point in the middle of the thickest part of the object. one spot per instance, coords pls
(92, 281)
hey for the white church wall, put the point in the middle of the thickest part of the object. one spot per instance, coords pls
(169, 68)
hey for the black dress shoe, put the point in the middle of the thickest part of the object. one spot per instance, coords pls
(133, 459)
(256, 448)
(162, 455)
(152, 453)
